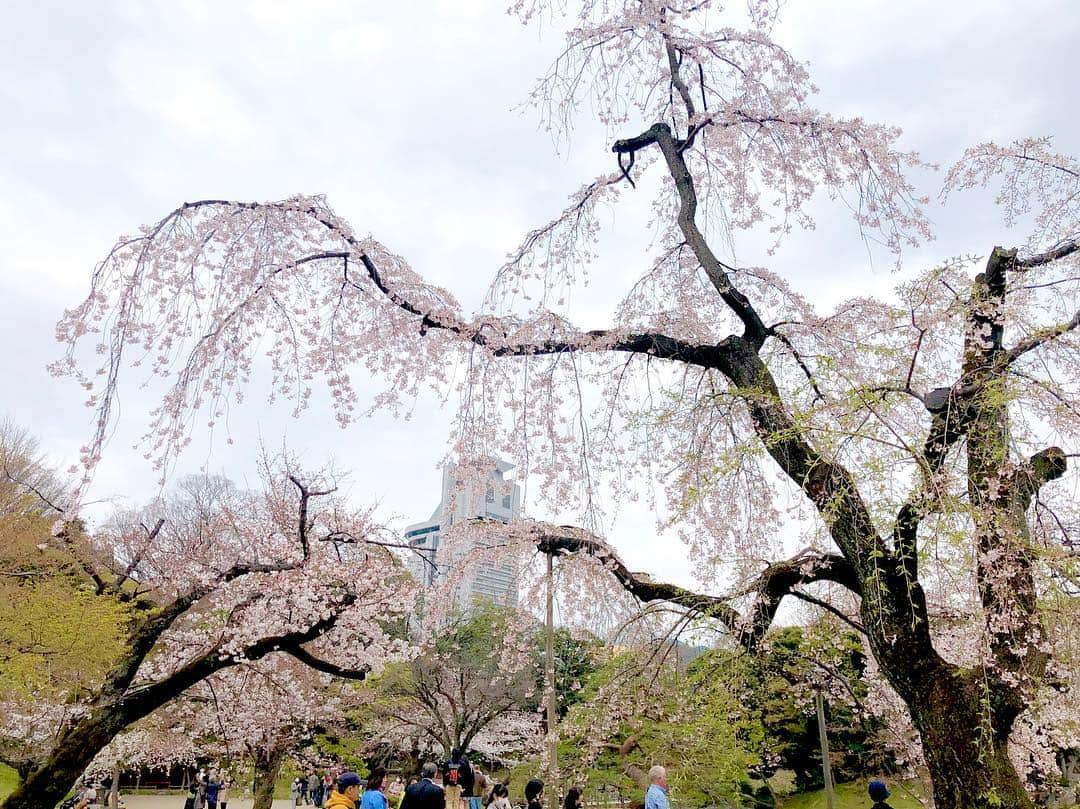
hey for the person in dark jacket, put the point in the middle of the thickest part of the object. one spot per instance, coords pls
(425, 794)
(458, 779)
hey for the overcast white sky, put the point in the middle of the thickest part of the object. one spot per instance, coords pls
(403, 114)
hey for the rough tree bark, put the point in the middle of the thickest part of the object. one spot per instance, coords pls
(267, 768)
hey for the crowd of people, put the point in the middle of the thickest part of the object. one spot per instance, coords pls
(311, 789)
(208, 790)
(457, 784)
(460, 785)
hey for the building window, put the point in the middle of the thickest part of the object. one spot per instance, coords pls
(490, 495)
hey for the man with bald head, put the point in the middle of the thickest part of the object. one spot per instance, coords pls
(656, 796)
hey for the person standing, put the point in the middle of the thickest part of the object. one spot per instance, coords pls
(302, 786)
(347, 793)
(314, 788)
(458, 780)
(327, 787)
(85, 795)
(373, 796)
(89, 797)
(213, 790)
(481, 789)
(223, 794)
(425, 793)
(200, 791)
(573, 799)
(656, 797)
(534, 794)
(394, 792)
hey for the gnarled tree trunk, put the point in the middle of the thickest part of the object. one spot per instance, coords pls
(267, 769)
(47, 785)
(968, 761)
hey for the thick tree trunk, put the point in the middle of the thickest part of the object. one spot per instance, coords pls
(47, 785)
(267, 768)
(968, 760)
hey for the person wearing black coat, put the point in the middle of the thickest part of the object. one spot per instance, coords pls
(425, 794)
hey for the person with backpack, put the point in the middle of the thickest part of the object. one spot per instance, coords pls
(458, 780)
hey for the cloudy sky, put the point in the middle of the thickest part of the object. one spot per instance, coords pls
(406, 115)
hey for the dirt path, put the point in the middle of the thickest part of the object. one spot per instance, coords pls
(177, 802)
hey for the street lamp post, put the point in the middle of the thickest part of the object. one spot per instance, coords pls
(549, 688)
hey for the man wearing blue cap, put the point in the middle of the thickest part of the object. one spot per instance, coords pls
(346, 792)
(878, 794)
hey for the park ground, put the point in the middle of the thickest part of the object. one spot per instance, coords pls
(848, 796)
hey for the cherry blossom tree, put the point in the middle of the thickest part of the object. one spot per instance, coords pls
(907, 440)
(263, 711)
(244, 575)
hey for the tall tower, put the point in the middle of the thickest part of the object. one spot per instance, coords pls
(500, 499)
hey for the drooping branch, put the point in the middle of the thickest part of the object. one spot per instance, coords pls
(766, 591)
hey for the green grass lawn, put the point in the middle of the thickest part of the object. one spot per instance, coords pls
(8, 781)
(851, 796)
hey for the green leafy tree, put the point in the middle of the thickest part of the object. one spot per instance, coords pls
(779, 690)
(641, 708)
(58, 637)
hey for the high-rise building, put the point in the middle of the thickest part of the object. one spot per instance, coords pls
(462, 500)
